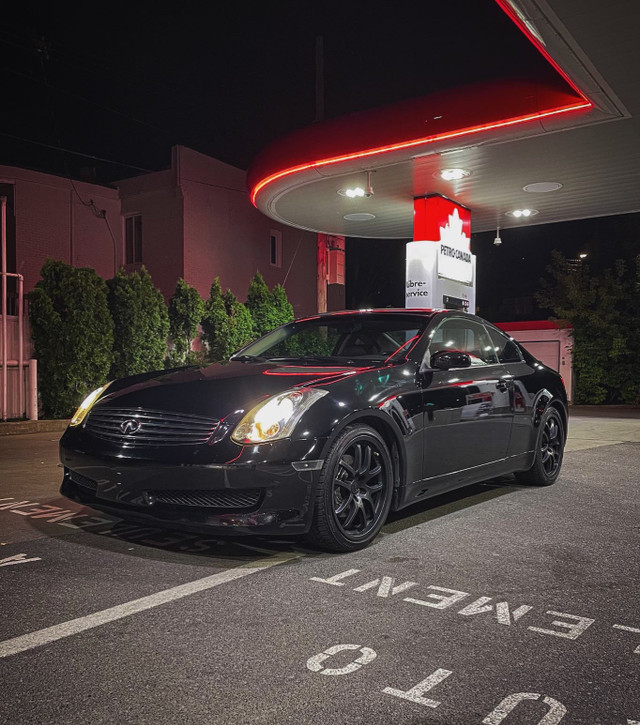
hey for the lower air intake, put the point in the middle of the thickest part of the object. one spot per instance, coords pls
(83, 481)
(232, 500)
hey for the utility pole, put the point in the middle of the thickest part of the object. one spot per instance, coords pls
(319, 78)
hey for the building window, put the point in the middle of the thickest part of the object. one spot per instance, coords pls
(133, 239)
(275, 248)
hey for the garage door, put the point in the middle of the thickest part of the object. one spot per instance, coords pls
(547, 351)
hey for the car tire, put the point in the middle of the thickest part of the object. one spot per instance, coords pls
(354, 491)
(548, 452)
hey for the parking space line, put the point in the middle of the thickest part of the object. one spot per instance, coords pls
(74, 626)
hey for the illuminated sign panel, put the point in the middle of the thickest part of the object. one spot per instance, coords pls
(432, 215)
(454, 258)
(440, 268)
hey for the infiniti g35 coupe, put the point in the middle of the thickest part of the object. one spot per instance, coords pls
(320, 428)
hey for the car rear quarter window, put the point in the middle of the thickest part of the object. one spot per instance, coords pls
(463, 335)
(506, 350)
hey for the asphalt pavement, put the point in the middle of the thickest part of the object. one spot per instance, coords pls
(496, 603)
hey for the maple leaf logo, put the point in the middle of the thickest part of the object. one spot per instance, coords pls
(452, 233)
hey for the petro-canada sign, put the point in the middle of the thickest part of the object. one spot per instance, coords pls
(440, 271)
(454, 257)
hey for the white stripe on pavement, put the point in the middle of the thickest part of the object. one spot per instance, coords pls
(66, 629)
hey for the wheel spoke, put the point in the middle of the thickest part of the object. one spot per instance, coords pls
(348, 467)
(351, 515)
(374, 487)
(344, 504)
(370, 504)
(371, 474)
(337, 481)
(366, 463)
(357, 459)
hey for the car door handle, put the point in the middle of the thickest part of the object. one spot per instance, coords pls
(503, 385)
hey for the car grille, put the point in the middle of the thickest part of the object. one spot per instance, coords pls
(234, 500)
(83, 481)
(140, 427)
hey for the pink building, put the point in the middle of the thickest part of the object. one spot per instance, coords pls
(193, 220)
(49, 216)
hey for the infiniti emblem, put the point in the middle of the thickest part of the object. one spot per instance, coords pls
(130, 426)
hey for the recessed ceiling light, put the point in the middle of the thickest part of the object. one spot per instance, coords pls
(522, 213)
(362, 216)
(452, 174)
(541, 187)
(352, 193)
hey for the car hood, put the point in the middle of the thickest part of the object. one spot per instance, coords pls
(220, 390)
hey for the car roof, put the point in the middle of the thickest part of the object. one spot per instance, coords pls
(409, 311)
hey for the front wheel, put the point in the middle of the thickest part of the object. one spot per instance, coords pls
(354, 492)
(549, 451)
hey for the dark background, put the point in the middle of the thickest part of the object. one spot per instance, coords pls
(103, 94)
(128, 82)
(507, 275)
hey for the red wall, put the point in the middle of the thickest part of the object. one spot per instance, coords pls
(52, 221)
(157, 199)
(226, 237)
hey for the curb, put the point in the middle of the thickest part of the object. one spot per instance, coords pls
(605, 411)
(17, 427)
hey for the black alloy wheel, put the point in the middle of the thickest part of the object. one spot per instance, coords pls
(551, 446)
(355, 490)
(549, 451)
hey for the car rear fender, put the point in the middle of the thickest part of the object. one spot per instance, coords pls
(543, 400)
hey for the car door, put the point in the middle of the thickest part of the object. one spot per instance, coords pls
(468, 416)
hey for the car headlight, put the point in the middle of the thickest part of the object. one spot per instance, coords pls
(276, 417)
(87, 404)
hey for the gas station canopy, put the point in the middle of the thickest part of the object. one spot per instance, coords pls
(565, 147)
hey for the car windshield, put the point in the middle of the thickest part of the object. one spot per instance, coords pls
(338, 339)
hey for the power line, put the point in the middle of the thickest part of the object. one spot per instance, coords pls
(83, 62)
(75, 153)
(86, 100)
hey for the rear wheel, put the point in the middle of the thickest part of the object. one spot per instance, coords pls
(354, 492)
(549, 451)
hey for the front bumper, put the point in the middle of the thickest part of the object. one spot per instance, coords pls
(252, 495)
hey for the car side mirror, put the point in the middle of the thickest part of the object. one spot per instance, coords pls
(447, 359)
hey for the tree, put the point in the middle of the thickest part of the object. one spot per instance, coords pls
(603, 312)
(72, 332)
(215, 323)
(261, 306)
(240, 323)
(226, 325)
(282, 306)
(269, 309)
(186, 309)
(141, 323)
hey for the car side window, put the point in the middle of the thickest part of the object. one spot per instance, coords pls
(506, 350)
(462, 335)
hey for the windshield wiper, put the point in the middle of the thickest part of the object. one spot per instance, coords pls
(307, 358)
(247, 358)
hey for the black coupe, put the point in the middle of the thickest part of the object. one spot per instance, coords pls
(320, 428)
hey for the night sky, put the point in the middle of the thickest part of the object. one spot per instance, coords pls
(226, 78)
(116, 88)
